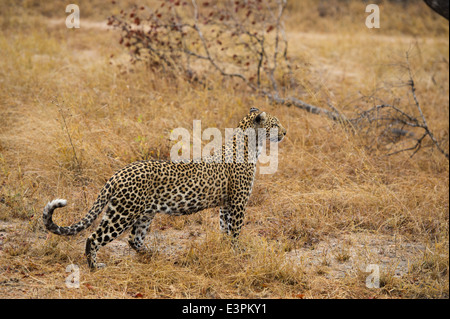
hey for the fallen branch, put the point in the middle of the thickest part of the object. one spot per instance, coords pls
(289, 101)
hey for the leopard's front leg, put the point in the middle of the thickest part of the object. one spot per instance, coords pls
(231, 221)
(223, 219)
(235, 220)
(238, 196)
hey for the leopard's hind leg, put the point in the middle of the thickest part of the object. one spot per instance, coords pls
(139, 231)
(111, 226)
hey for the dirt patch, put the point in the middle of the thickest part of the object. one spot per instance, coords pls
(348, 254)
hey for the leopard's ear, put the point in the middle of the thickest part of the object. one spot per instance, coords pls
(253, 109)
(261, 118)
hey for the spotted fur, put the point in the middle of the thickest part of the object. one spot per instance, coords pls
(134, 194)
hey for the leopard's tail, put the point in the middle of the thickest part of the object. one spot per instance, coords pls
(84, 223)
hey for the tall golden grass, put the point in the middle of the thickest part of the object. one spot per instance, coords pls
(73, 111)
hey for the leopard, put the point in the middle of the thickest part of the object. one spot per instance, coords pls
(140, 190)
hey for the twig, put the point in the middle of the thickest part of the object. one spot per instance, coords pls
(79, 168)
(424, 121)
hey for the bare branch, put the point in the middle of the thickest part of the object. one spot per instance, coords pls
(396, 123)
(424, 121)
(305, 106)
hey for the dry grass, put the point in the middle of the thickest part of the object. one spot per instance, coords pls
(332, 208)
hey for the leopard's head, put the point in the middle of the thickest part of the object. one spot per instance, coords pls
(257, 119)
